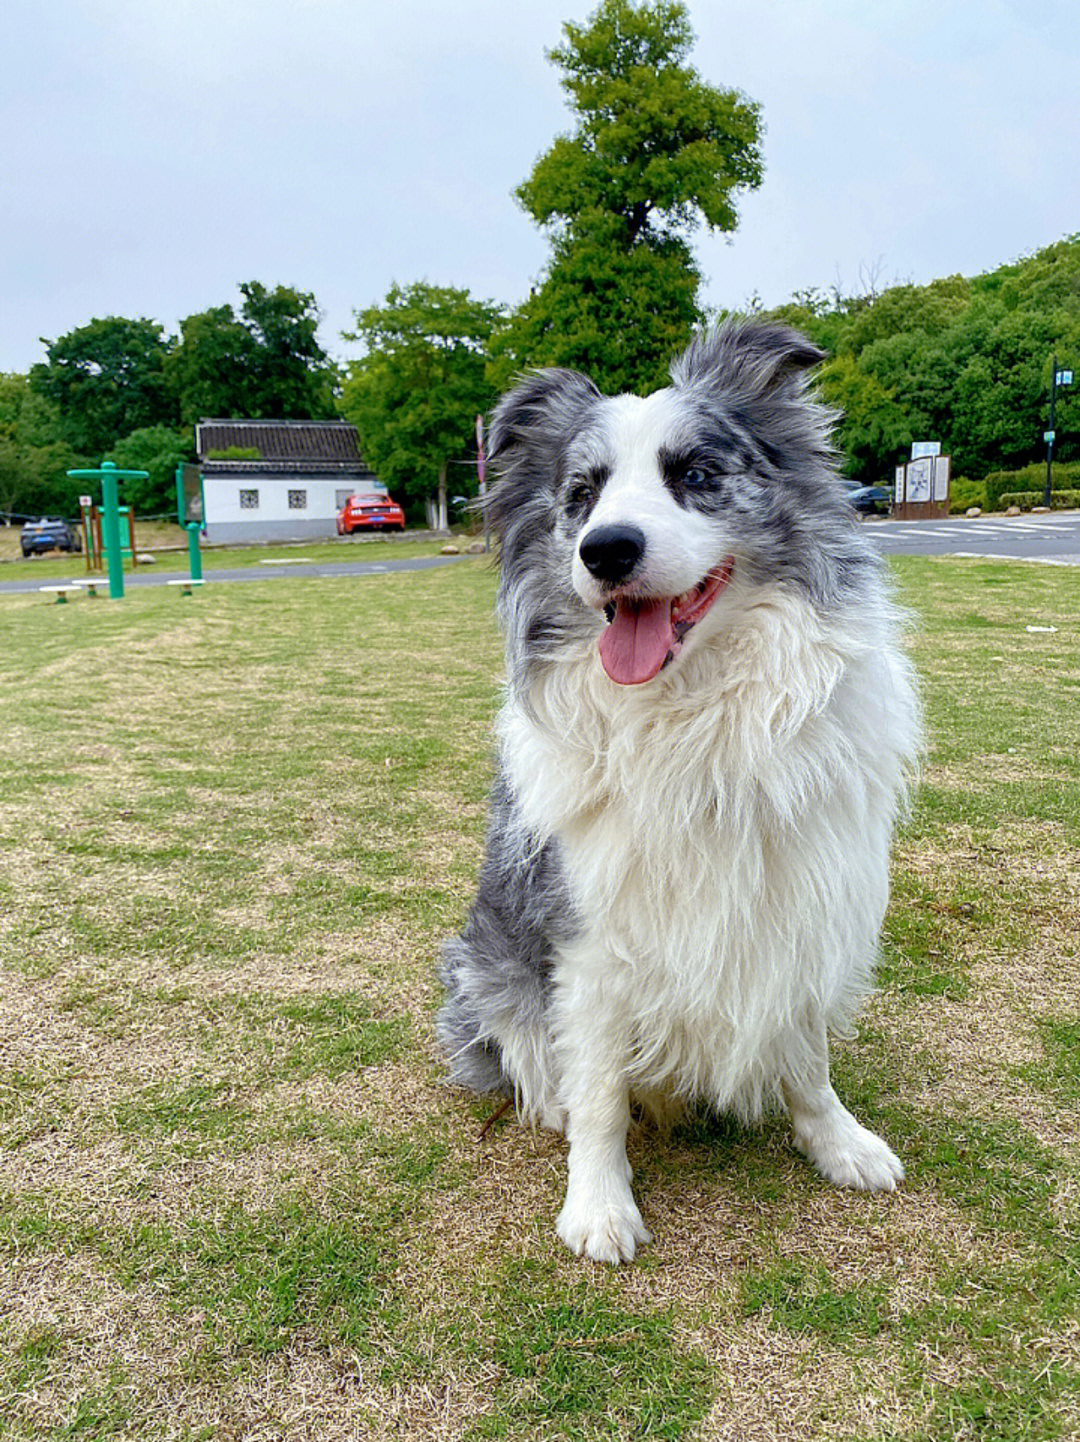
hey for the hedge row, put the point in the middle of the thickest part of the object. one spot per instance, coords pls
(1060, 500)
(1029, 478)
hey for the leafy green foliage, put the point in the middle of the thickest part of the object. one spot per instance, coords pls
(1030, 479)
(159, 450)
(106, 379)
(34, 460)
(620, 316)
(1059, 500)
(266, 363)
(656, 152)
(965, 362)
(414, 396)
(123, 387)
(655, 146)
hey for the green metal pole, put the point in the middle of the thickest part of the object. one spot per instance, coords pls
(194, 554)
(111, 499)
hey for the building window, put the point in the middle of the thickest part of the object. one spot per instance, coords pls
(341, 499)
(298, 500)
(249, 500)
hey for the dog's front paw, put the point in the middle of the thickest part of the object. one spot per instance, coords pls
(848, 1154)
(607, 1230)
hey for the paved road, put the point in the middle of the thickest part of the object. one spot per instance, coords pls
(262, 571)
(1054, 538)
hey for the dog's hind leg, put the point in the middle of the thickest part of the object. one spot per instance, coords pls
(825, 1131)
(493, 1029)
(493, 1025)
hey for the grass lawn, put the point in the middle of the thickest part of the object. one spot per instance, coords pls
(237, 1199)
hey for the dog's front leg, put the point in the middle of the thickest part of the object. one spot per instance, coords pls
(825, 1131)
(599, 1218)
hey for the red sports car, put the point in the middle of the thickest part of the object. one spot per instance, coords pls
(370, 510)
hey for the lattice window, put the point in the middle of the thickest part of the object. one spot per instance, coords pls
(298, 500)
(249, 500)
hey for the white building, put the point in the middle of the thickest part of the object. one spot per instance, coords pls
(276, 480)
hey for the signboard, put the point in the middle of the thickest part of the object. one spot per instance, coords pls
(189, 494)
(941, 478)
(919, 449)
(920, 480)
(922, 488)
(1063, 378)
(1050, 437)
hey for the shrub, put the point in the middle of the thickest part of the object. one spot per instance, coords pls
(1061, 500)
(964, 493)
(1029, 478)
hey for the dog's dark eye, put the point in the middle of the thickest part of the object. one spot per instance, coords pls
(582, 489)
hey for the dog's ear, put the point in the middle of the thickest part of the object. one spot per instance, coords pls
(545, 409)
(748, 361)
(530, 428)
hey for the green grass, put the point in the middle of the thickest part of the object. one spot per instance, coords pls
(233, 833)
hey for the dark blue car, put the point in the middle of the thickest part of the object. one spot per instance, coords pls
(871, 500)
(45, 535)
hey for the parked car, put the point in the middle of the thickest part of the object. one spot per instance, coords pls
(871, 500)
(370, 510)
(46, 535)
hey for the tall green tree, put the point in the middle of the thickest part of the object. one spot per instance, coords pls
(34, 457)
(655, 153)
(415, 393)
(265, 363)
(293, 378)
(106, 379)
(212, 365)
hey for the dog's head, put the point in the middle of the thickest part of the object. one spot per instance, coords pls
(639, 512)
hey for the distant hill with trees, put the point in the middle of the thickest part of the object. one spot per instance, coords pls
(966, 362)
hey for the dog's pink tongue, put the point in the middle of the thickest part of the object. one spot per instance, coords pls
(635, 645)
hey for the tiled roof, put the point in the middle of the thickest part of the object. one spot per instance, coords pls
(332, 443)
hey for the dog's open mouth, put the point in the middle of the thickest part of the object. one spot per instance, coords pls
(646, 632)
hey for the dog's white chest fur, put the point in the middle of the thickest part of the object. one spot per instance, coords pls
(724, 835)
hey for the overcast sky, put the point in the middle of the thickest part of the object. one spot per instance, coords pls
(158, 152)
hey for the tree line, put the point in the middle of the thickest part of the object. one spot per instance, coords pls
(654, 154)
(121, 387)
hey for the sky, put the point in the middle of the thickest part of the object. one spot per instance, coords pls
(156, 153)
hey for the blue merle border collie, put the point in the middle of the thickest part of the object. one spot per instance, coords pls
(708, 728)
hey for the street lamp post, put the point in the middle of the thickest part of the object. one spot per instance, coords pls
(1058, 378)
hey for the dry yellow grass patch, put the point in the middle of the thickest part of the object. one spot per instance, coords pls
(778, 1387)
(306, 1393)
(979, 1044)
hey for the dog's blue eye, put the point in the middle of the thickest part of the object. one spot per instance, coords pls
(695, 476)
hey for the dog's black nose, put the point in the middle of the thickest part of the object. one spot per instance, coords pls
(612, 552)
